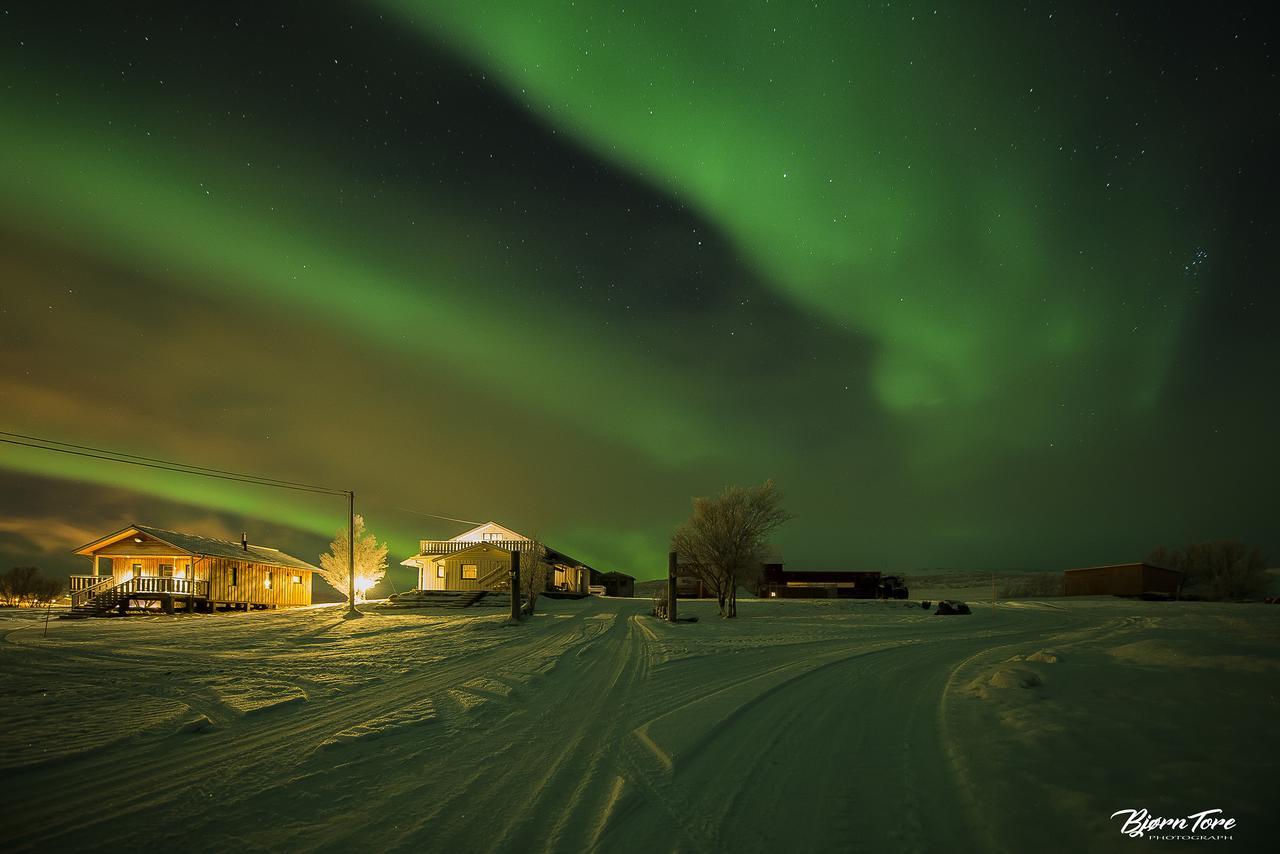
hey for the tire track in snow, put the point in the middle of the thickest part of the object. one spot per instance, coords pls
(881, 711)
(981, 823)
(167, 771)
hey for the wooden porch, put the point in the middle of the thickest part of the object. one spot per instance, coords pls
(94, 595)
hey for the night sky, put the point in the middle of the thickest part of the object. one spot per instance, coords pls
(979, 288)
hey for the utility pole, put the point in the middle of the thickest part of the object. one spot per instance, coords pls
(352, 611)
(515, 584)
(671, 587)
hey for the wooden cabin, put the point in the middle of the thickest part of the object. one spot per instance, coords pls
(145, 567)
(1123, 579)
(480, 559)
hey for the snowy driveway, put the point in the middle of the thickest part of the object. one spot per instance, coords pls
(799, 727)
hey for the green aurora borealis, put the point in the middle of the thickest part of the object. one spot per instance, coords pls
(984, 288)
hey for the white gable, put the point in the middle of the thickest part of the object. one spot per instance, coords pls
(486, 532)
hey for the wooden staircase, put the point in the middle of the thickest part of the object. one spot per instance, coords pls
(100, 603)
(449, 599)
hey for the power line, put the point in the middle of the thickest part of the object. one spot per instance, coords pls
(164, 465)
(188, 466)
(42, 444)
(436, 516)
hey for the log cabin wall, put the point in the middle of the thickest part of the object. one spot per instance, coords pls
(124, 567)
(250, 578)
(250, 583)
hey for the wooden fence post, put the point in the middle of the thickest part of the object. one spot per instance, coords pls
(515, 584)
(671, 587)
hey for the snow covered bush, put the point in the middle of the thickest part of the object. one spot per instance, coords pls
(659, 609)
(1033, 584)
(370, 561)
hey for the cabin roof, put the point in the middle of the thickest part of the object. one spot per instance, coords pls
(193, 544)
(1124, 566)
(479, 546)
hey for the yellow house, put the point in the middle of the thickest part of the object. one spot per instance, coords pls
(480, 559)
(142, 566)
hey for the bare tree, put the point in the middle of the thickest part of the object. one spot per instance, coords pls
(23, 585)
(533, 571)
(723, 540)
(1221, 569)
(370, 560)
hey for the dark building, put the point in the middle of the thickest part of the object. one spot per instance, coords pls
(615, 583)
(1123, 579)
(690, 586)
(778, 584)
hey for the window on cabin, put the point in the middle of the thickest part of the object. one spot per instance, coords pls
(137, 570)
(296, 579)
(469, 571)
(267, 583)
(166, 570)
(235, 576)
(439, 572)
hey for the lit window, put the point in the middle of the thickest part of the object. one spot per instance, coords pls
(296, 579)
(469, 570)
(439, 572)
(267, 582)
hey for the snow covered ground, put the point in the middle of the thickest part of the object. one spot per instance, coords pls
(802, 726)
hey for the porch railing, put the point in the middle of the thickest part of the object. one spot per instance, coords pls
(141, 584)
(157, 584)
(448, 547)
(85, 587)
(80, 582)
(495, 579)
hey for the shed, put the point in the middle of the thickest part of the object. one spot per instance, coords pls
(1123, 579)
(618, 584)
